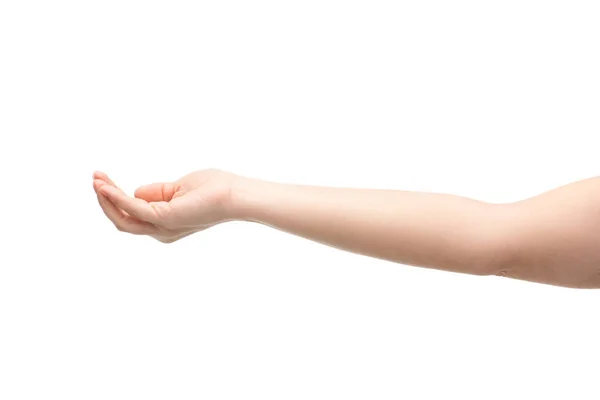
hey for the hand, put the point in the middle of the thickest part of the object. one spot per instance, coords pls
(168, 211)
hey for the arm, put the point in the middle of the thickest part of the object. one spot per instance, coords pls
(552, 238)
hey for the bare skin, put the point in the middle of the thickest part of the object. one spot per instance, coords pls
(552, 238)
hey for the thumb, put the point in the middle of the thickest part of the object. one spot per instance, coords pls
(162, 191)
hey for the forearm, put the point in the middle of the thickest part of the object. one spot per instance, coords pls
(423, 229)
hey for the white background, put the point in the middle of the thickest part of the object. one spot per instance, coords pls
(493, 100)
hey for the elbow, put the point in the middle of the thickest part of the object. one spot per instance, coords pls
(490, 260)
(506, 248)
(493, 250)
(538, 244)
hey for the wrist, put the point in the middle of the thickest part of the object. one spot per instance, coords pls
(250, 197)
(242, 195)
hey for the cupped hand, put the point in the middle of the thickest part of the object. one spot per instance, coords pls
(168, 211)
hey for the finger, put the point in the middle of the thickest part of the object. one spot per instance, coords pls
(98, 183)
(156, 192)
(135, 207)
(123, 222)
(102, 176)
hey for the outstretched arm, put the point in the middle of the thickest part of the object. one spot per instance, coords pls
(552, 238)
